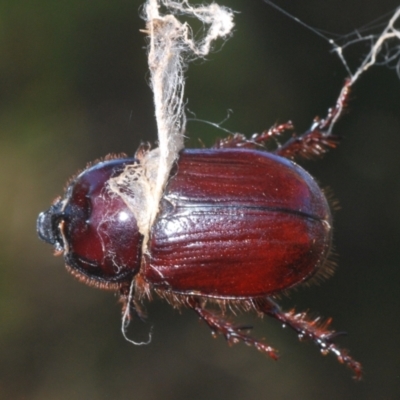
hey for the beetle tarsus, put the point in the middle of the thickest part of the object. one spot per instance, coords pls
(318, 139)
(313, 143)
(233, 334)
(313, 329)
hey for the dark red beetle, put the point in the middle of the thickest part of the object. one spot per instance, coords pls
(235, 226)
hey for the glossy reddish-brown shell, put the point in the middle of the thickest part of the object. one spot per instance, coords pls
(94, 228)
(237, 223)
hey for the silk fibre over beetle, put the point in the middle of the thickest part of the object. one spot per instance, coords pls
(237, 225)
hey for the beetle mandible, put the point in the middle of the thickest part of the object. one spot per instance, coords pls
(236, 226)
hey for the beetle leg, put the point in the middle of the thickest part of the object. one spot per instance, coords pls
(233, 334)
(316, 330)
(319, 138)
(258, 139)
(313, 143)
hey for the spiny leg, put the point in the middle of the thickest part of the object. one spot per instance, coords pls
(318, 139)
(258, 139)
(313, 143)
(316, 330)
(233, 334)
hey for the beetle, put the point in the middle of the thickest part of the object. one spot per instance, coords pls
(236, 226)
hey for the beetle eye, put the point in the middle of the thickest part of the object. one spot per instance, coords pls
(55, 221)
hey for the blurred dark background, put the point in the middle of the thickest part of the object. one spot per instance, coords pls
(73, 87)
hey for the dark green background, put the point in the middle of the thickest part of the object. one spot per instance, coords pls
(73, 88)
